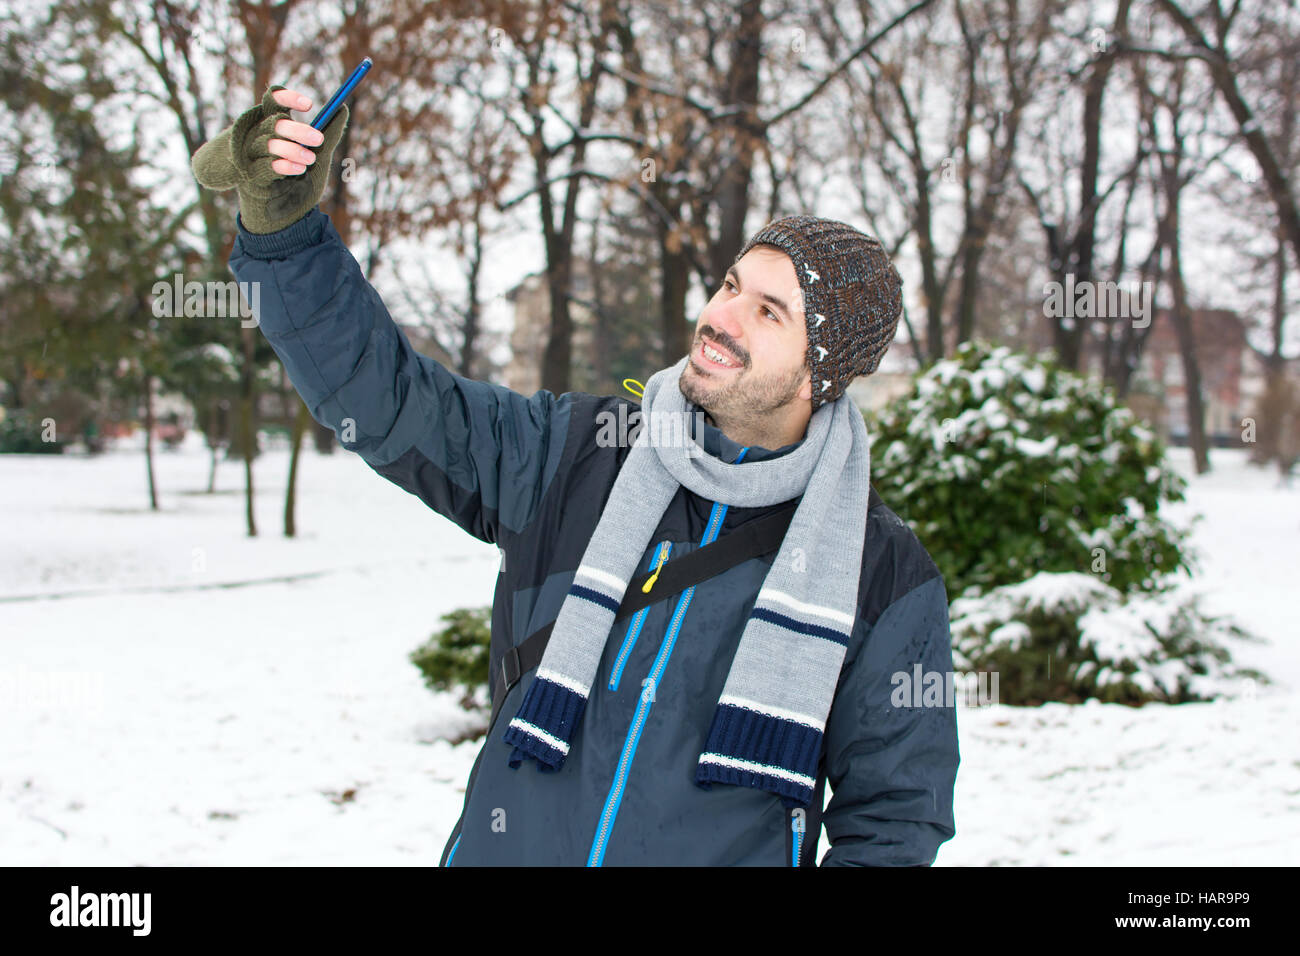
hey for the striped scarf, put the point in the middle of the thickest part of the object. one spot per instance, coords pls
(768, 726)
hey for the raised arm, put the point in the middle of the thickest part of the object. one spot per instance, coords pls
(480, 454)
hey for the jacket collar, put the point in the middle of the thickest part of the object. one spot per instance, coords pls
(723, 448)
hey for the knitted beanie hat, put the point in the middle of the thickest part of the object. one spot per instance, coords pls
(852, 297)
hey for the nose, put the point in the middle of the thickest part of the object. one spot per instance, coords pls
(728, 320)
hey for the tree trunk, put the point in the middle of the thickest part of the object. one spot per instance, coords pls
(557, 358)
(1186, 341)
(469, 343)
(747, 133)
(1269, 411)
(213, 424)
(290, 497)
(16, 384)
(212, 470)
(674, 277)
(933, 290)
(148, 440)
(247, 432)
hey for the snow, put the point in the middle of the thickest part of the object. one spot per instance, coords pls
(1001, 366)
(1118, 633)
(994, 415)
(175, 693)
(211, 724)
(218, 352)
(1030, 448)
(1051, 592)
(988, 378)
(1012, 634)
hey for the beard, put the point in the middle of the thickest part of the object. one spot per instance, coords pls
(745, 398)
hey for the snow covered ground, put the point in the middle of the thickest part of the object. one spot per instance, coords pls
(173, 692)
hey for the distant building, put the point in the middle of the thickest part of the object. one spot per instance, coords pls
(1231, 376)
(532, 302)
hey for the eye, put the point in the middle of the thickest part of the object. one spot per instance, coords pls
(773, 314)
(726, 284)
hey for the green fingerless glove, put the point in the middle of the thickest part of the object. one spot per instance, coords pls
(238, 158)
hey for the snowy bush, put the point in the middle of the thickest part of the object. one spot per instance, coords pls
(1068, 637)
(1006, 464)
(457, 657)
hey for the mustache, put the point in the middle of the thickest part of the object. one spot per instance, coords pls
(707, 333)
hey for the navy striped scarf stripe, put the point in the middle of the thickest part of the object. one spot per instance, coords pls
(552, 709)
(800, 626)
(759, 738)
(792, 794)
(596, 597)
(737, 731)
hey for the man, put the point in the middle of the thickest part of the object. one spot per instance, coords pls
(703, 729)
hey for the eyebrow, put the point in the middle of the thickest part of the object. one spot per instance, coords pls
(765, 296)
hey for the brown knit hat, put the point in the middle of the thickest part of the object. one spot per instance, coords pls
(852, 297)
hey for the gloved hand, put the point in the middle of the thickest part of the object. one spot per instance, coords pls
(238, 158)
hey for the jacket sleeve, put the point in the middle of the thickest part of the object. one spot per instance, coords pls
(892, 766)
(478, 453)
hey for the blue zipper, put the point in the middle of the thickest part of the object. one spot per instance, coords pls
(634, 629)
(797, 835)
(597, 855)
(453, 849)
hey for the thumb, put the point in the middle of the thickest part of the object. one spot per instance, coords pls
(270, 104)
(213, 165)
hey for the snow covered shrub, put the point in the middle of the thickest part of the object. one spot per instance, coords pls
(1068, 637)
(1006, 464)
(456, 658)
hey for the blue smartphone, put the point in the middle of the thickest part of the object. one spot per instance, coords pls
(329, 109)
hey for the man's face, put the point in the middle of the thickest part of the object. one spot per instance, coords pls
(756, 320)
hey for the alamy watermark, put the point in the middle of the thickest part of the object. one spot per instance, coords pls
(919, 688)
(666, 429)
(208, 300)
(1086, 300)
(75, 908)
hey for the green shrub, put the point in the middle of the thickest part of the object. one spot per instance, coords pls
(1006, 465)
(456, 658)
(21, 434)
(1068, 637)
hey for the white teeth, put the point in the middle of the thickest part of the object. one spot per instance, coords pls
(717, 356)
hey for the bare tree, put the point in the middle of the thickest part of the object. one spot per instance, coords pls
(554, 51)
(979, 76)
(1175, 171)
(1224, 68)
(707, 122)
(1070, 226)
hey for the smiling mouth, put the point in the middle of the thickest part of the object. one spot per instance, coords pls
(708, 362)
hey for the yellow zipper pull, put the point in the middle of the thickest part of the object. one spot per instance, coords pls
(645, 588)
(639, 391)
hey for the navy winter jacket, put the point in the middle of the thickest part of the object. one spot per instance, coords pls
(527, 474)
